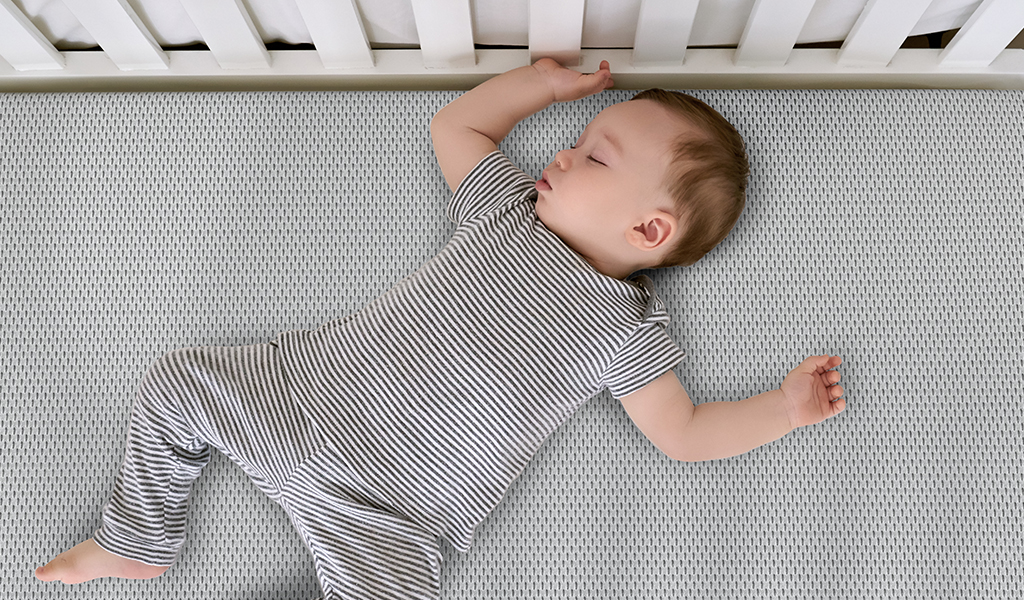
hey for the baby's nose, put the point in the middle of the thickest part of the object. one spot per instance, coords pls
(562, 159)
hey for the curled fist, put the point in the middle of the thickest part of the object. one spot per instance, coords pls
(812, 391)
(567, 85)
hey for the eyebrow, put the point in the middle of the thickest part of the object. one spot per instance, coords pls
(614, 141)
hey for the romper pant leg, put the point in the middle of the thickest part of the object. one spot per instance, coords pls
(232, 399)
(362, 549)
(237, 401)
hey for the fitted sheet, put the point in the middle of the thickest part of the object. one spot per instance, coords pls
(881, 225)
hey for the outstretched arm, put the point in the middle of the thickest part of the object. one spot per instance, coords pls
(470, 127)
(664, 413)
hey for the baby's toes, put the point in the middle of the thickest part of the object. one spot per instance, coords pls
(58, 568)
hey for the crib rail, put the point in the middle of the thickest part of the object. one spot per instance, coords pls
(870, 56)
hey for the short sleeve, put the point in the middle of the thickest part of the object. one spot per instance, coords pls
(493, 182)
(648, 353)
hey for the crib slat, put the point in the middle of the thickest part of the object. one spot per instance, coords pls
(125, 40)
(704, 68)
(556, 30)
(338, 33)
(663, 31)
(771, 32)
(446, 33)
(22, 44)
(229, 32)
(985, 35)
(882, 28)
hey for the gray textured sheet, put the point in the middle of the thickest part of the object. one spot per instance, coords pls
(882, 225)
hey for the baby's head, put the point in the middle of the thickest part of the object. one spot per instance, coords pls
(657, 181)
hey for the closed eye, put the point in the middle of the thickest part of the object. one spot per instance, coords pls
(591, 158)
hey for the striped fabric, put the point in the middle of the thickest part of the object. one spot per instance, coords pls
(381, 431)
(237, 401)
(438, 393)
(231, 399)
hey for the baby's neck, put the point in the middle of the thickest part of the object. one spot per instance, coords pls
(611, 268)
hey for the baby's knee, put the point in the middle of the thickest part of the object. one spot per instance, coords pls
(165, 367)
(168, 379)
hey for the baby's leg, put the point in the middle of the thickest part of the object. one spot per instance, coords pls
(191, 401)
(144, 521)
(361, 548)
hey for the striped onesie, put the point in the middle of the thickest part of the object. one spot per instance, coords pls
(407, 421)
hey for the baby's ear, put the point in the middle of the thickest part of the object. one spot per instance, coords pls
(655, 232)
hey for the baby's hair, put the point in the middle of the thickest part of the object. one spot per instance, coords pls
(707, 178)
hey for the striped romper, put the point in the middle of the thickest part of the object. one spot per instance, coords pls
(407, 421)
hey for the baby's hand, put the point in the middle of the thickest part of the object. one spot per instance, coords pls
(811, 391)
(568, 85)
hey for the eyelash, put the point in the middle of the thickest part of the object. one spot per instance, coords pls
(591, 158)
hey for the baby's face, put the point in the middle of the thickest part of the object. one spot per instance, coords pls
(592, 193)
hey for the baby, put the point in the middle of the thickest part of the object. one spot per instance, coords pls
(380, 432)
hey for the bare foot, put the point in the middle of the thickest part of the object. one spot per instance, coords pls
(88, 561)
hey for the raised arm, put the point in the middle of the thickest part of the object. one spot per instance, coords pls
(470, 127)
(662, 410)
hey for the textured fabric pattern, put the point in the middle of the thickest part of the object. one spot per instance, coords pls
(440, 391)
(882, 225)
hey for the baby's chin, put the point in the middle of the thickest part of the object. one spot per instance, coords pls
(545, 214)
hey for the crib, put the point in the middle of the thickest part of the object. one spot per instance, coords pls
(71, 45)
(283, 177)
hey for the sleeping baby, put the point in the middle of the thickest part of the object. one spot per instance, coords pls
(406, 422)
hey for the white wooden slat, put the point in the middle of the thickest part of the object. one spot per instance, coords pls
(22, 44)
(338, 33)
(229, 32)
(985, 35)
(704, 68)
(882, 28)
(445, 30)
(662, 31)
(772, 31)
(556, 30)
(120, 33)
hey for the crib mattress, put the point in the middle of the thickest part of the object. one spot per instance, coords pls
(882, 225)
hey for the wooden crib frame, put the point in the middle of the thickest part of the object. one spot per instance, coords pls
(871, 55)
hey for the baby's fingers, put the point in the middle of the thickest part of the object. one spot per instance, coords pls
(598, 80)
(828, 362)
(838, 406)
(817, 364)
